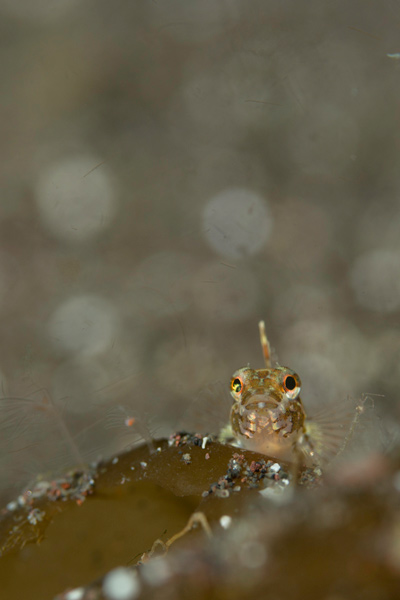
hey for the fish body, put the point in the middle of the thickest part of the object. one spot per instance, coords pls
(268, 416)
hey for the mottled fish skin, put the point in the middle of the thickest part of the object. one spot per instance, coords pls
(268, 415)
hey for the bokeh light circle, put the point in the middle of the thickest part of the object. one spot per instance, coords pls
(84, 324)
(76, 200)
(237, 223)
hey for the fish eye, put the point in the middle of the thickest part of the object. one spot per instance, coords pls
(289, 383)
(237, 385)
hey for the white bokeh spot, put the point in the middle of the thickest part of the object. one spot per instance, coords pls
(83, 324)
(237, 223)
(76, 200)
(121, 584)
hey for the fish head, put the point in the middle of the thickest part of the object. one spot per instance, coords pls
(267, 415)
(277, 386)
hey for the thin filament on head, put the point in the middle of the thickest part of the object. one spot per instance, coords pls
(265, 344)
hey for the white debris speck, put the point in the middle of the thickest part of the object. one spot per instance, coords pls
(222, 493)
(275, 467)
(114, 460)
(21, 500)
(261, 405)
(395, 55)
(187, 459)
(12, 505)
(35, 516)
(121, 584)
(75, 594)
(280, 493)
(225, 521)
(41, 488)
(204, 442)
(132, 467)
(158, 449)
(143, 464)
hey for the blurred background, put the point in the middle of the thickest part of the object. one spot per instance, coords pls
(172, 172)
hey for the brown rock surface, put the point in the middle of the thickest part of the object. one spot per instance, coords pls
(307, 541)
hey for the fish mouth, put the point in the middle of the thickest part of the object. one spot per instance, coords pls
(261, 402)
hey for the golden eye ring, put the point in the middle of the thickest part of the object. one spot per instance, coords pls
(236, 385)
(289, 383)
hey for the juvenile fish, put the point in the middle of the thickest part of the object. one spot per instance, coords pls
(268, 415)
